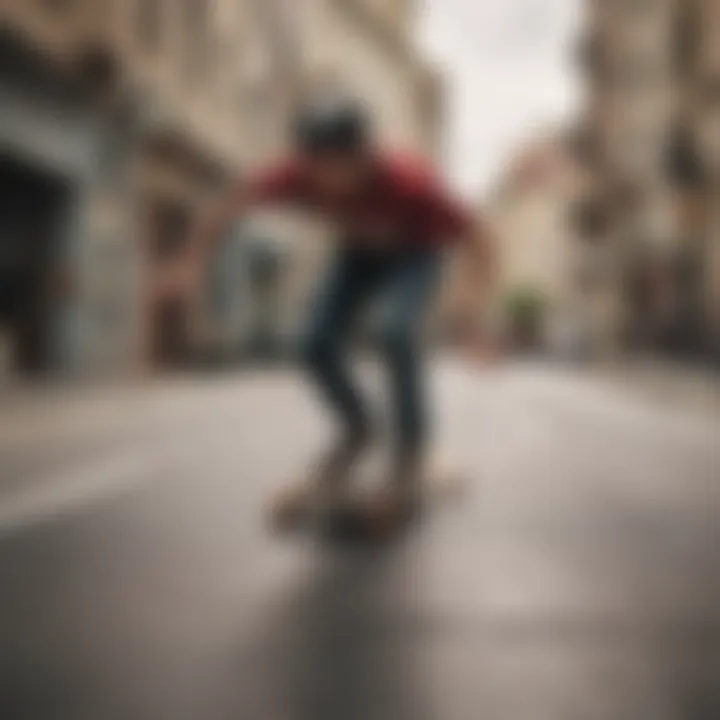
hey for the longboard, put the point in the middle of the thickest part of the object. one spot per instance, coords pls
(299, 507)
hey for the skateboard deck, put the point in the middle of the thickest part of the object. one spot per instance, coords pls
(299, 507)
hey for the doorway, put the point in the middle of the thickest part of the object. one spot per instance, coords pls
(31, 206)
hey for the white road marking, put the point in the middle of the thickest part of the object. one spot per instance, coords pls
(76, 488)
(80, 486)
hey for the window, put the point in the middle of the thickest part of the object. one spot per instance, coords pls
(168, 230)
(687, 41)
(590, 219)
(684, 166)
(149, 24)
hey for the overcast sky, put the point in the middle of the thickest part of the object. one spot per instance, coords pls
(509, 69)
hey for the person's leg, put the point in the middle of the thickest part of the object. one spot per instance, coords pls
(409, 294)
(348, 285)
(350, 282)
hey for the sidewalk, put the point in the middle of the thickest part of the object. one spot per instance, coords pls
(669, 384)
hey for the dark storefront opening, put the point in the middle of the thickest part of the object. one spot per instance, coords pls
(31, 215)
(665, 303)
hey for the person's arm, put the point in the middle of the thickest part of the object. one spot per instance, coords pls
(280, 183)
(478, 263)
(215, 218)
(474, 267)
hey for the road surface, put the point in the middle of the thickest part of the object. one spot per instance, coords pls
(578, 579)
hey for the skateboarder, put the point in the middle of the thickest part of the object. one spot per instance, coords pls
(396, 224)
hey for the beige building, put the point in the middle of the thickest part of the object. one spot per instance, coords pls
(118, 115)
(531, 210)
(653, 127)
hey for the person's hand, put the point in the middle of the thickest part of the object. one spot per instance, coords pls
(463, 331)
(485, 351)
(471, 337)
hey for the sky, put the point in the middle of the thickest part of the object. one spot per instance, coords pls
(509, 69)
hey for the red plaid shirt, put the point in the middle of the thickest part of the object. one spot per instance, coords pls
(402, 205)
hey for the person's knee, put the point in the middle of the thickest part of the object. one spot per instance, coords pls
(396, 341)
(317, 347)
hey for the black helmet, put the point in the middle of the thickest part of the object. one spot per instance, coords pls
(330, 124)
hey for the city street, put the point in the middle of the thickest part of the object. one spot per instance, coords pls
(577, 579)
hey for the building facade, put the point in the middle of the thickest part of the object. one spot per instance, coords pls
(540, 259)
(651, 135)
(118, 116)
(64, 184)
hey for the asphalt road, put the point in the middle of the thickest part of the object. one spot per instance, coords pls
(578, 578)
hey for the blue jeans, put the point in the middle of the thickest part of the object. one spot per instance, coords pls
(405, 282)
